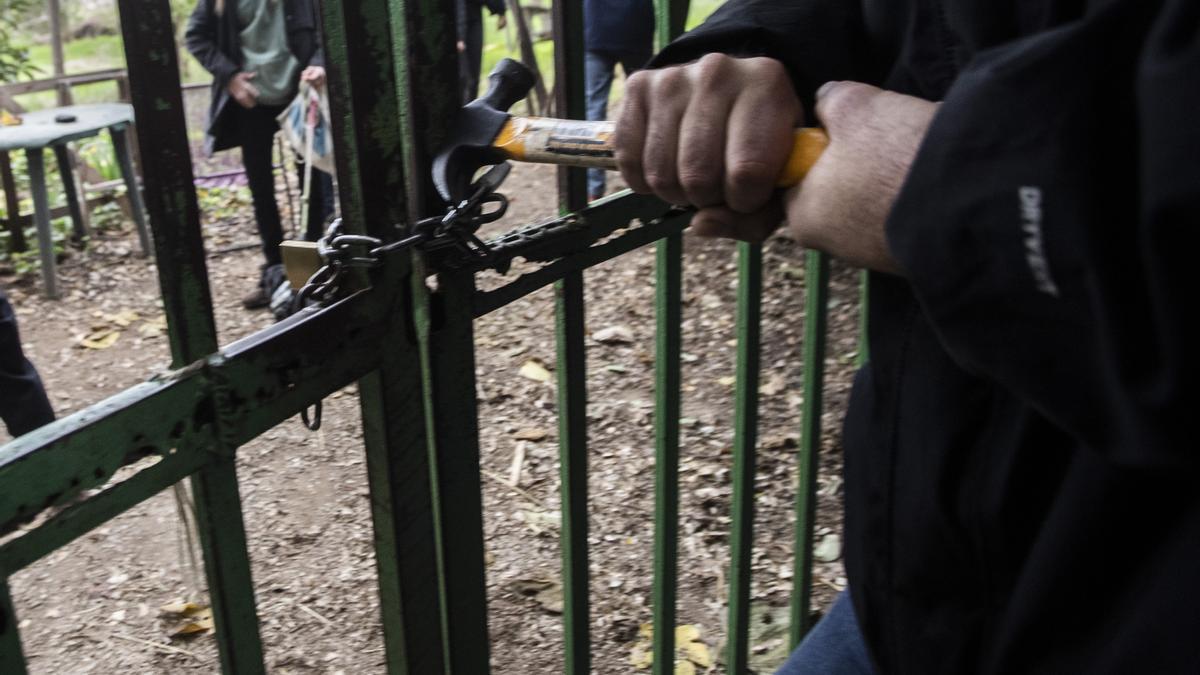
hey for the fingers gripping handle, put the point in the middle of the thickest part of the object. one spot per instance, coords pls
(577, 143)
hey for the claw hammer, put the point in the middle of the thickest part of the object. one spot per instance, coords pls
(484, 133)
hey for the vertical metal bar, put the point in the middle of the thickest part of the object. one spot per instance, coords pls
(745, 438)
(816, 309)
(669, 308)
(366, 86)
(424, 31)
(12, 205)
(74, 203)
(12, 660)
(669, 16)
(151, 55)
(170, 197)
(572, 425)
(227, 566)
(571, 102)
(124, 152)
(448, 356)
(41, 218)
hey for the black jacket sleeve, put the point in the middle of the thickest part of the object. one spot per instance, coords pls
(201, 40)
(496, 7)
(1052, 217)
(818, 40)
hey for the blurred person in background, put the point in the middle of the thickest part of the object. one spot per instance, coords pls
(258, 52)
(470, 41)
(615, 32)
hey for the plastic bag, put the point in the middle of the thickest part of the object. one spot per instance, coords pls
(305, 123)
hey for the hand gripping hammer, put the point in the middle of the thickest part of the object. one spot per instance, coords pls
(484, 133)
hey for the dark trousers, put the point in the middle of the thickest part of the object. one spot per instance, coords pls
(256, 129)
(471, 60)
(598, 73)
(23, 403)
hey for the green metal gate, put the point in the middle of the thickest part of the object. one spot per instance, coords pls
(411, 350)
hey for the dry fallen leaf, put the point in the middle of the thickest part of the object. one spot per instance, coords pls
(124, 318)
(614, 335)
(830, 548)
(774, 385)
(101, 339)
(534, 434)
(547, 593)
(535, 371)
(199, 618)
(153, 327)
(690, 651)
(727, 381)
(182, 608)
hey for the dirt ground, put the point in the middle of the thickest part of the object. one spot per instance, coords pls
(95, 605)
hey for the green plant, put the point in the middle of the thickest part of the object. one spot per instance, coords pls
(98, 153)
(15, 62)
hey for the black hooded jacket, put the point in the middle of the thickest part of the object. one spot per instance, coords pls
(1022, 474)
(212, 38)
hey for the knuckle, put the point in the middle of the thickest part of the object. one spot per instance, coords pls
(838, 100)
(670, 82)
(704, 184)
(662, 182)
(750, 175)
(712, 70)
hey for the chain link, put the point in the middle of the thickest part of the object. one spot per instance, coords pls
(454, 231)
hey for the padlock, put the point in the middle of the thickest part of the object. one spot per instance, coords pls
(301, 260)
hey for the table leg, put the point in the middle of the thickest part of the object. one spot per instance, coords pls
(41, 217)
(63, 155)
(120, 141)
(12, 206)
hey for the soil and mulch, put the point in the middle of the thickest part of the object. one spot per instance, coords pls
(116, 599)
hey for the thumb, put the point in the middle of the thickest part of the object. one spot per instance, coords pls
(250, 75)
(724, 222)
(839, 103)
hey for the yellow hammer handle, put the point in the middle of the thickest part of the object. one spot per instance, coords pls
(578, 143)
(807, 146)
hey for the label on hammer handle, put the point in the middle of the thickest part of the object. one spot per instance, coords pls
(554, 141)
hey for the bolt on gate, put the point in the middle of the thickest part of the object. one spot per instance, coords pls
(392, 64)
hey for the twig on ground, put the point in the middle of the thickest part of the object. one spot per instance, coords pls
(157, 645)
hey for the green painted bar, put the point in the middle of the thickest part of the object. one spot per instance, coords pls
(667, 363)
(150, 49)
(745, 439)
(573, 459)
(151, 55)
(56, 463)
(12, 660)
(570, 102)
(448, 360)
(816, 309)
(368, 86)
(636, 237)
(227, 566)
(78, 519)
(670, 16)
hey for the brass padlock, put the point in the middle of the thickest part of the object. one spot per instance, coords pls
(300, 260)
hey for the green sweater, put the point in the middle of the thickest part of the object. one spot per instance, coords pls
(265, 50)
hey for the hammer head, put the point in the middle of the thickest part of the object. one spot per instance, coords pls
(469, 146)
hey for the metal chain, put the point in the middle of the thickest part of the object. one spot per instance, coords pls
(454, 231)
